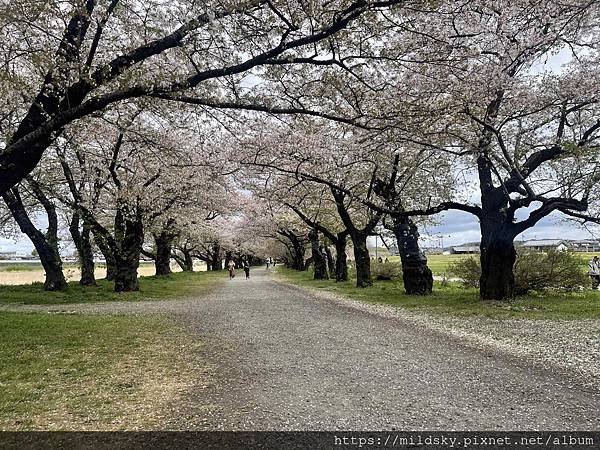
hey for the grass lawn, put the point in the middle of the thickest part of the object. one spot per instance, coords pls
(456, 300)
(61, 372)
(439, 263)
(175, 285)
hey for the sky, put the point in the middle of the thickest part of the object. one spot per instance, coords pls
(19, 245)
(457, 227)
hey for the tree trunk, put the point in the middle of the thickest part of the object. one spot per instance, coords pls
(85, 252)
(341, 263)
(306, 264)
(130, 238)
(418, 279)
(88, 267)
(298, 256)
(109, 258)
(320, 263)
(186, 262)
(498, 258)
(46, 246)
(164, 245)
(216, 260)
(330, 263)
(208, 263)
(363, 261)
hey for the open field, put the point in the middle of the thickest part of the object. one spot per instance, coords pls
(439, 263)
(12, 274)
(151, 288)
(453, 299)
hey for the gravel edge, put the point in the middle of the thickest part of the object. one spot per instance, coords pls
(570, 346)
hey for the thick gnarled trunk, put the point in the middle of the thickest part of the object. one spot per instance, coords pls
(319, 260)
(129, 233)
(85, 252)
(362, 259)
(359, 239)
(109, 257)
(185, 260)
(228, 257)
(341, 263)
(216, 261)
(417, 277)
(330, 262)
(162, 260)
(298, 259)
(498, 258)
(297, 255)
(45, 245)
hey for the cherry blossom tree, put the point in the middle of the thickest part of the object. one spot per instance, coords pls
(309, 153)
(67, 60)
(26, 203)
(521, 131)
(129, 176)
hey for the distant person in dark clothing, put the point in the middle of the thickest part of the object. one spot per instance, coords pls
(246, 266)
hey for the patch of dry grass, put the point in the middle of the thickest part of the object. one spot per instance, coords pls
(21, 274)
(72, 372)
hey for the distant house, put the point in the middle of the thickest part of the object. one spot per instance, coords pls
(546, 244)
(588, 245)
(465, 249)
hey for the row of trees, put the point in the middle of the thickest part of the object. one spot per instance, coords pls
(124, 184)
(459, 116)
(157, 118)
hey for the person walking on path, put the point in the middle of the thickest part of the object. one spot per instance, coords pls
(246, 268)
(594, 272)
(231, 268)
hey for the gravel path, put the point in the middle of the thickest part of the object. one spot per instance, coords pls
(287, 359)
(283, 358)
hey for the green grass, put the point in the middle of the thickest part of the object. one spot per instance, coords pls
(86, 372)
(453, 299)
(175, 285)
(439, 263)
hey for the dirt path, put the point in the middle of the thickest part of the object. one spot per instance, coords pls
(289, 360)
(285, 359)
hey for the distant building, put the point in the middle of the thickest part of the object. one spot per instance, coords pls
(588, 245)
(464, 249)
(7, 254)
(546, 244)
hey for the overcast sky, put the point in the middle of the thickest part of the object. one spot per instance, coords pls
(457, 227)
